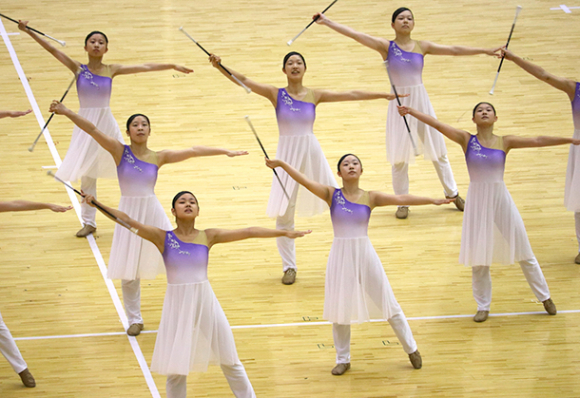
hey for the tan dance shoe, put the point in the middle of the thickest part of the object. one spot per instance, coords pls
(135, 329)
(416, 359)
(289, 276)
(27, 378)
(550, 307)
(481, 316)
(86, 231)
(402, 213)
(459, 202)
(340, 369)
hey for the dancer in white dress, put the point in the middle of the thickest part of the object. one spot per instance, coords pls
(8, 346)
(404, 59)
(85, 159)
(295, 112)
(132, 258)
(194, 331)
(572, 88)
(493, 230)
(357, 288)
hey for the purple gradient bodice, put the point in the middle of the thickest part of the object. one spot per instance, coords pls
(184, 262)
(576, 108)
(484, 164)
(405, 68)
(136, 177)
(349, 220)
(294, 117)
(94, 91)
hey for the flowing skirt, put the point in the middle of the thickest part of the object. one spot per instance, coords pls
(193, 333)
(303, 152)
(572, 191)
(493, 229)
(85, 157)
(357, 288)
(131, 256)
(428, 140)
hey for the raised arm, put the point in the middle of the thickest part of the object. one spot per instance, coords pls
(108, 143)
(324, 192)
(459, 136)
(152, 234)
(23, 205)
(354, 95)
(376, 43)
(215, 235)
(438, 49)
(513, 141)
(59, 55)
(117, 70)
(383, 199)
(566, 85)
(169, 156)
(4, 114)
(265, 90)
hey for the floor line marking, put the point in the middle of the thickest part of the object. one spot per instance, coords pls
(92, 243)
(279, 325)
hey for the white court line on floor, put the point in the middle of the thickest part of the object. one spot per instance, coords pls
(92, 243)
(564, 8)
(280, 325)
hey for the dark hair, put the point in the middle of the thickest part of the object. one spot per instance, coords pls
(344, 156)
(291, 53)
(132, 117)
(179, 195)
(398, 11)
(96, 32)
(483, 102)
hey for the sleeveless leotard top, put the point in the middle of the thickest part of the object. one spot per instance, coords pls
(136, 177)
(485, 164)
(295, 117)
(94, 90)
(405, 67)
(350, 220)
(185, 262)
(576, 108)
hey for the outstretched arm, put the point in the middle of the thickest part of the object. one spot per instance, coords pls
(117, 70)
(265, 90)
(152, 234)
(354, 95)
(23, 205)
(512, 142)
(4, 114)
(438, 49)
(459, 136)
(383, 199)
(375, 43)
(59, 55)
(215, 235)
(324, 192)
(110, 144)
(168, 156)
(566, 85)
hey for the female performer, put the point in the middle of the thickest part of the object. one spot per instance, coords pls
(295, 112)
(404, 59)
(194, 331)
(132, 258)
(85, 159)
(357, 288)
(8, 346)
(493, 230)
(572, 88)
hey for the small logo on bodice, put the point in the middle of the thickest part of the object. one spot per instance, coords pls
(289, 101)
(89, 76)
(398, 53)
(175, 245)
(340, 200)
(131, 160)
(476, 148)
